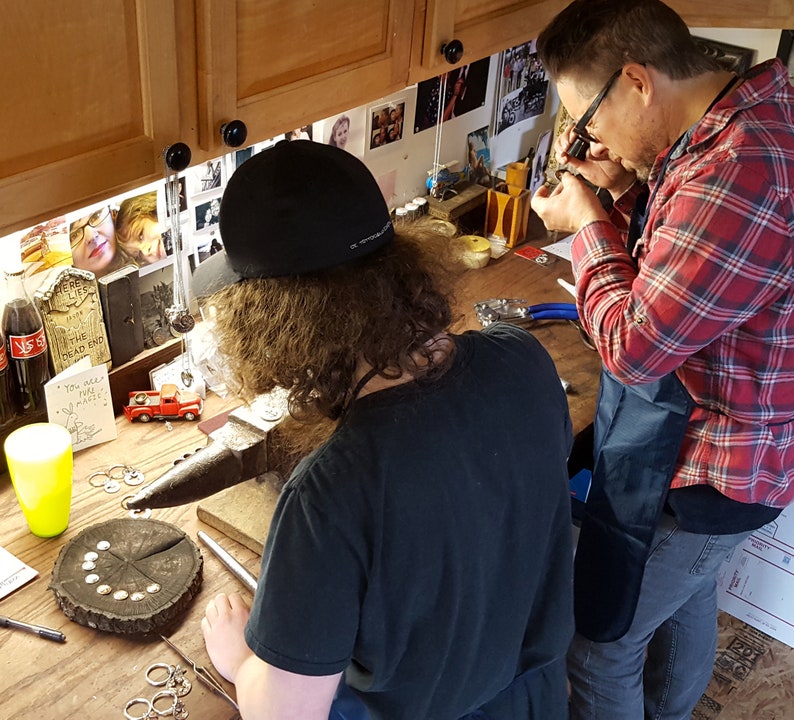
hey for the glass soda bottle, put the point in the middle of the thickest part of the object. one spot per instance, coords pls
(26, 345)
(7, 388)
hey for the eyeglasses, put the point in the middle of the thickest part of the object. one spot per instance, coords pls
(578, 148)
(95, 219)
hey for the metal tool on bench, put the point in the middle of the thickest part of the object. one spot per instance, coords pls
(235, 452)
(513, 309)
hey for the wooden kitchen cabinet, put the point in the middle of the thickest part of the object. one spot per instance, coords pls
(93, 91)
(485, 27)
(89, 94)
(277, 65)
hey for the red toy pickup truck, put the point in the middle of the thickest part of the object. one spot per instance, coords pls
(170, 403)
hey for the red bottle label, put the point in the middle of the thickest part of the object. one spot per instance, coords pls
(27, 346)
(3, 358)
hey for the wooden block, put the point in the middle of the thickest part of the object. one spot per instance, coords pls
(242, 512)
(468, 198)
(507, 214)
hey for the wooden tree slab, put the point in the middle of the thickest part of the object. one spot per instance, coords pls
(128, 576)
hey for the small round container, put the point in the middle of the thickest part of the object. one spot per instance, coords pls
(421, 205)
(400, 216)
(475, 251)
(412, 210)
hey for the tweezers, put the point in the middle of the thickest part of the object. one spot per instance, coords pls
(204, 676)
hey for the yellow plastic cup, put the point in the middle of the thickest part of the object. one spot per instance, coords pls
(40, 464)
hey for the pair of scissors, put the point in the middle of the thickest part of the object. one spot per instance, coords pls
(204, 676)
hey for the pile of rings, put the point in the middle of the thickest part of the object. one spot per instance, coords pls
(111, 479)
(164, 703)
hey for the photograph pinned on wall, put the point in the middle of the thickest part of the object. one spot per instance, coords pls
(143, 233)
(346, 131)
(157, 295)
(44, 246)
(92, 238)
(462, 89)
(541, 161)
(205, 177)
(206, 214)
(235, 158)
(522, 86)
(386, 123)
(164, 210)
(305, 132)
(478, 152)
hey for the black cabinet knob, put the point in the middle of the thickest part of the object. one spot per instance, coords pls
(234, 133)
(177, 157)
(452, 51)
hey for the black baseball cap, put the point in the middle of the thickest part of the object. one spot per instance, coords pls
(295, 208)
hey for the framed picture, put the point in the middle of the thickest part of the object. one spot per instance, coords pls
(784, 50)
(732, 57)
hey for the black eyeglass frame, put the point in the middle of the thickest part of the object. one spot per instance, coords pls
(95, 219)
(581, 143)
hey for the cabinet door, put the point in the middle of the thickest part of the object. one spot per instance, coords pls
(735, 13)
(277, 65)
(489, 26)
(483, 26)
(89, 102)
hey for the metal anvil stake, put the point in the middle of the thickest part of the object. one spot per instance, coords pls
(235, 452)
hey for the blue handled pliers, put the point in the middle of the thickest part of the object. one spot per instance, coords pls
(489, 311)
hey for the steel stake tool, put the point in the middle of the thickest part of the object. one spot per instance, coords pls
(176, 158)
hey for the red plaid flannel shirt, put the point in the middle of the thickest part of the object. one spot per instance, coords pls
(713, 299)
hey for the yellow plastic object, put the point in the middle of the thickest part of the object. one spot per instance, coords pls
(475, 251)
(39, 459)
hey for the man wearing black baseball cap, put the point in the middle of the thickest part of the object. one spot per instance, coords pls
(419, 560)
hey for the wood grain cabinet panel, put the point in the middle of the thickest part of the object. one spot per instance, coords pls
(89, 102)
(483, 26)
(277, 65)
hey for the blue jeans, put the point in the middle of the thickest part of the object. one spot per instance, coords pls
(346, 705)
(675, 624)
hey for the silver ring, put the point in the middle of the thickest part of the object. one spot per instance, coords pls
(169, 669)
(137, 701)
(117, 466)
(97, 473)
(162, 694)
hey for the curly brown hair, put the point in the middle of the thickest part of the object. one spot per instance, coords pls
(309, 333)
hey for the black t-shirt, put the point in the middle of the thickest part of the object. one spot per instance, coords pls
(425, 549)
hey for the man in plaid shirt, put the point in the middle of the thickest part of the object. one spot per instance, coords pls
(687, 284)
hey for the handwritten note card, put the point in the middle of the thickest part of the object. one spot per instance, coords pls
(79, 399)
(13, 572)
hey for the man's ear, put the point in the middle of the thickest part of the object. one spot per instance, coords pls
(641, 79)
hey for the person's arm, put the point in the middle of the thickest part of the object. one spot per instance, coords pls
(708, 267)
(264, 692)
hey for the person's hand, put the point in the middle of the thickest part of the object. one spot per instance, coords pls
(598, 168)
(569, 206)
(222, 626)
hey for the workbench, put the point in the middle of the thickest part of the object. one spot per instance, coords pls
(94, 674)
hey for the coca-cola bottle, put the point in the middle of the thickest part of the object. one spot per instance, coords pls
(7, 388)
(26, 345)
